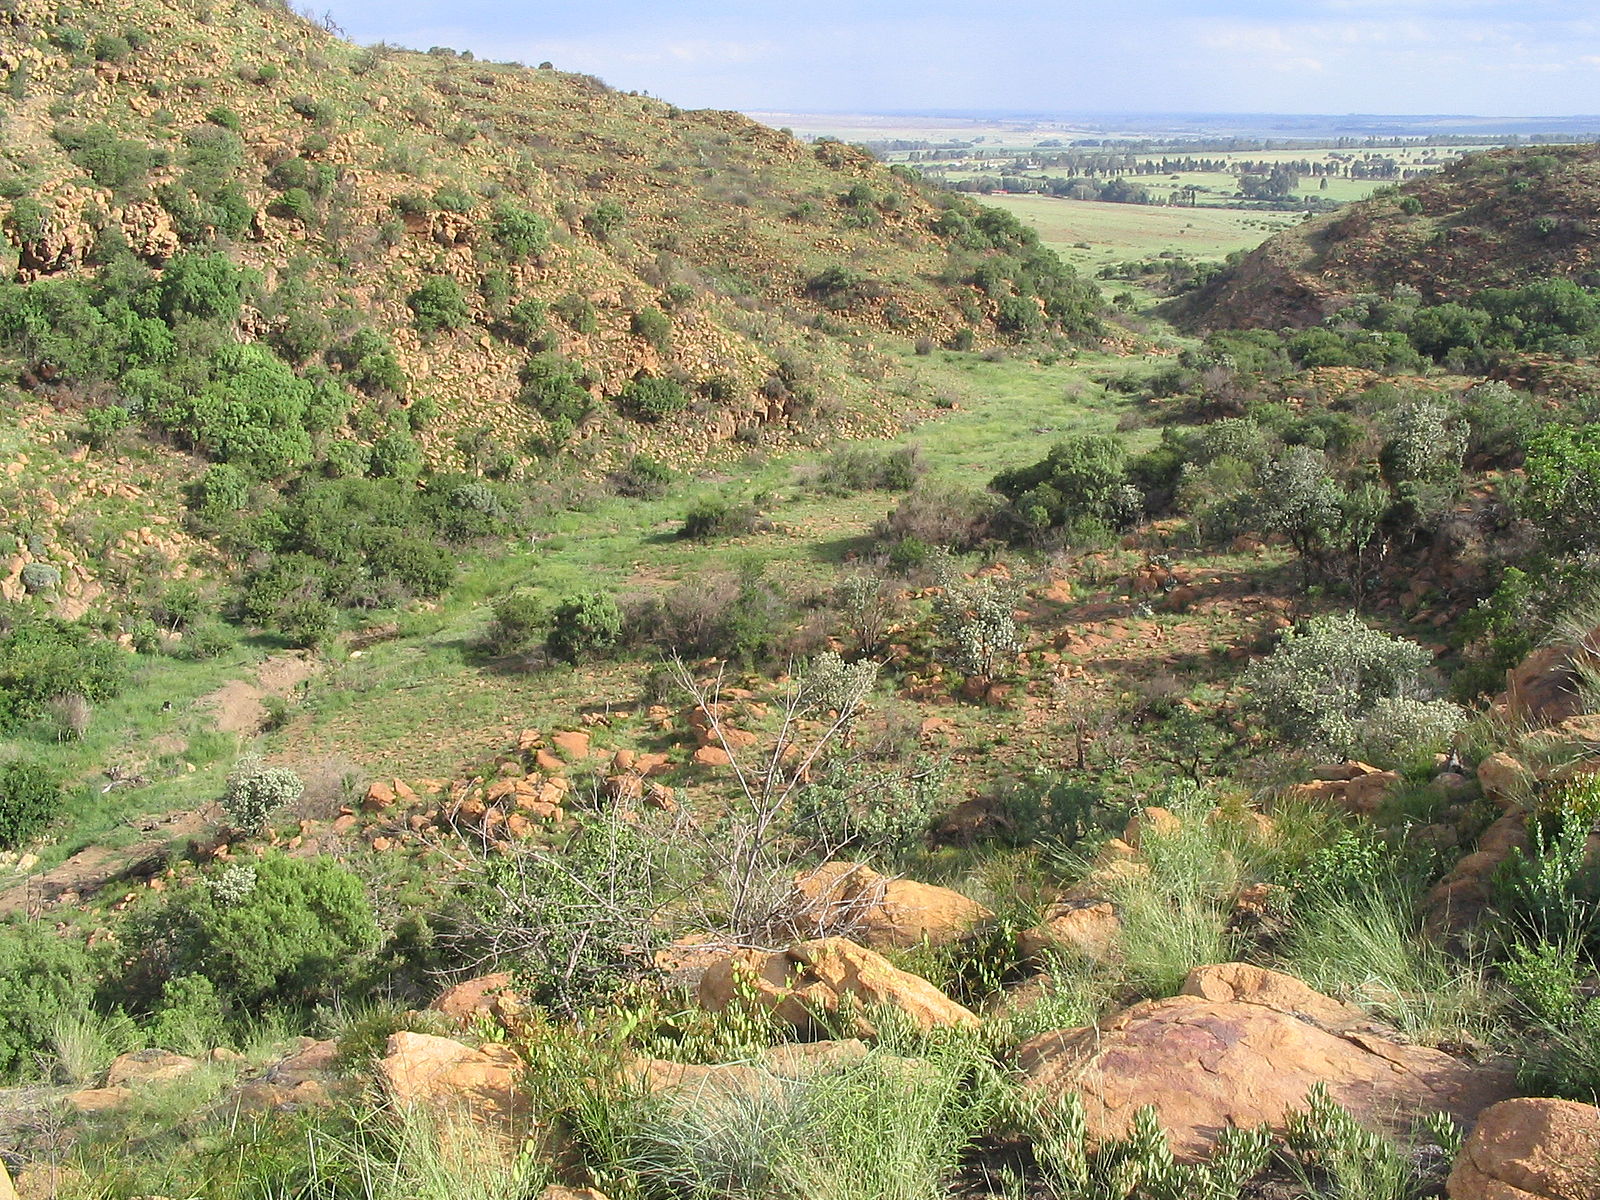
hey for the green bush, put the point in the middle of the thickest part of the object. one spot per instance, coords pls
(1082, 480)
(520, 622)
(644, 478)
(583, 625)
(716, 517)
(438, 304)
(518, 232)
(30, 798)
(278, 931)
(553, 388)
(110, 48)
(255, 793)
(650, 398)
(115, 163)
(604, 220)
(1341, 688)
(42, 657)
(653, 326)
(880, 811)
(578, 312)
(47, 976)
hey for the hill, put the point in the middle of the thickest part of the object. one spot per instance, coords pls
(289, 257)
(1494, 220)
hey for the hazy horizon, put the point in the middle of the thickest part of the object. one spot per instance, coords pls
(1488, 58)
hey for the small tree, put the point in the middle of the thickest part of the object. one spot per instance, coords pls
(1562, 489)
(977, 622)
(255, 792)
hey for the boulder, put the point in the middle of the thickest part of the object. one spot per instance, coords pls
(1455, 904)
(573, 744)
(1088, 928)
(148, 1066)
(852, 899)
(1206, 1064)
(1504, 779)
(761, 1080)
(556, 1192)
(93, 1100)
(477, 1083)
(1159, 821)
(1366, 792)
(814, 981)
(488, 996)
(1530, 1149)
(1543, 689)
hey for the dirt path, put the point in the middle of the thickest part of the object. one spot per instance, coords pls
(97, 867)
(238, 704)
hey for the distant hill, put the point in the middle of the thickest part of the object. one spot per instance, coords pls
(1497, 219)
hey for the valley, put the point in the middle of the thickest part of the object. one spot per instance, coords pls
(559, 647)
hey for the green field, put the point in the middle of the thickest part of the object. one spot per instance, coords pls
(1118, 232)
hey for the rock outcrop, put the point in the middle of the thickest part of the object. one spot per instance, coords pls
(1531, 1149)
(828, 982)
(1243, 1047)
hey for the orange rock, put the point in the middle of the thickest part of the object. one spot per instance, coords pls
(379, 797)
(573, 744)
(712, 756)
(1530, 1149)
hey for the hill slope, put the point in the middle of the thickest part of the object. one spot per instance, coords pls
(1498, 219)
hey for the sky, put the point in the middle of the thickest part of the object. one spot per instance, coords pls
(1481, 57)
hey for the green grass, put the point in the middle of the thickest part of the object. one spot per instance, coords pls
(1119, 232)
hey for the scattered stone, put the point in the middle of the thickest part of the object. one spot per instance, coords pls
(1159, 821)
(823, 978)
(712, 756)
(1530, 1149)
(1364, 794)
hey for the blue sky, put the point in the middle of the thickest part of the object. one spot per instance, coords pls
(1489, 57)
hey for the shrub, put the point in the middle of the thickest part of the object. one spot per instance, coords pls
(305, 622)
(947, 517)
(584, 624)
(653, 326)
(650, 398)
(30, 797)
(857, 469)
(875, 810)
(438, 304)
(117, 164)
(1341, 688)
(552, 387)
(256, 792)
(287, 932)
(517, 231)
(604, 219)
(47, 975)
(977, 623)
(40, 577)
(644, 478)
(520, 622)
(1082, 480)
(43, 658)
(716, 517)
(110, 47)
(572, 924)
(578, 312)
(1562, 488)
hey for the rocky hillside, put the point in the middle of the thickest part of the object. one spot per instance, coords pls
(1500, 219)
(623, 233)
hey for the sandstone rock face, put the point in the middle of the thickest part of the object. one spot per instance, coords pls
(478, 1084)
(487, 996)
(854, 900)
(1087, 927)
(1247, 984)
(1205, 1064)
(1531, 1149)
(815, 980)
